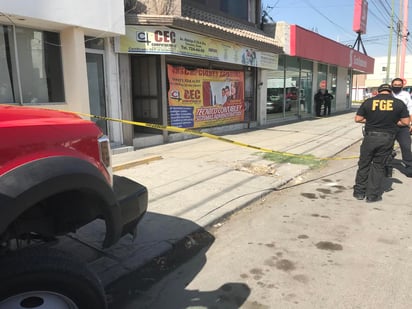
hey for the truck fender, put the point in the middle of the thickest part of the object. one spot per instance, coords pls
(30, 183)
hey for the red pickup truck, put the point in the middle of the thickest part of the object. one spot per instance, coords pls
(55, 177)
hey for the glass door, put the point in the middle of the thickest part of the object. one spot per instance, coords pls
(97, 93)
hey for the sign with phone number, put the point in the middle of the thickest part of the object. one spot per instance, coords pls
(163, 40)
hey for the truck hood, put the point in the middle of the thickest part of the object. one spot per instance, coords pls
(20, 113)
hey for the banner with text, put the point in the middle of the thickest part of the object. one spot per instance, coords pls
(162, 40)
(203, 98)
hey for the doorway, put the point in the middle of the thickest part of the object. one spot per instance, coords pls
(97, 93)
(146, 92)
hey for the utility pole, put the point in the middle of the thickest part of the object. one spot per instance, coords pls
(405, 34)
(388, 65)
(398, 39)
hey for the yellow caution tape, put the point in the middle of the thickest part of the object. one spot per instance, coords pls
(208, 135)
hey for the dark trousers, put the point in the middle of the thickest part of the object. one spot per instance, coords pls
(318, 107)
(326, 109)
(404, 139)
(375, 150)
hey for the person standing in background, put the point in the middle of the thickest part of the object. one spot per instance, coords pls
(403, 137)
(327, 102)
(319, 101)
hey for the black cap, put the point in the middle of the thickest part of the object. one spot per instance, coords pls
(385, 87)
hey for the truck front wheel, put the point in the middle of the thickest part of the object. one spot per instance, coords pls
(48, 278)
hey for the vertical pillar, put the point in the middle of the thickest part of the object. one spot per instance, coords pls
(388, 65)
(75, 70)
(404, 38)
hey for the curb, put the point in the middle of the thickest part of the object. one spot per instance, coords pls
(129, 164)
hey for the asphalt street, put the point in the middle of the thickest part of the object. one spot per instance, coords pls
(194, 184)
(308, 244)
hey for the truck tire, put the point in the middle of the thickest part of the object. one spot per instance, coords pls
(48, 278)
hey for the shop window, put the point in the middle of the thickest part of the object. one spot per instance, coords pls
(333, 77)
(305, 90)
(322, 76)
(207, 97)
(94, 43)
(34, 74)
(146, 91)
(7, 83)
(289, 89)
(292, 81)
(249, 87)
(349, 86)
(250, 91)
(275, 90)
(97, 91)
(240, 9)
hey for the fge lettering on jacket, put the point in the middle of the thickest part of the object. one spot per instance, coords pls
(382, 105)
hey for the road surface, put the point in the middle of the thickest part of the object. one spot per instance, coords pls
(309, 245)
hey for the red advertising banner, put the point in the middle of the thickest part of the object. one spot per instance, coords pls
(203, 98)
(310, 45)
(360, 16)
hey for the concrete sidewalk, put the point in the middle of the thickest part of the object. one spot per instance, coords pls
(203, 179)
(196, 183)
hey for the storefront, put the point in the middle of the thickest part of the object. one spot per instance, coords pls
(176, 77)
(311, 62)
(289, 89)
(183, 79)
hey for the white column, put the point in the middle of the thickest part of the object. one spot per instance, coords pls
(114, 109)
(75, 70)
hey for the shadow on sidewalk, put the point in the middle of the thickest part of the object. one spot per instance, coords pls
(131, 268)
(397, 164)
(187, 254)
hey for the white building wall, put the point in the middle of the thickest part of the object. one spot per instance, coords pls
(282, 35)
(125, 95)
(262, 97)
(104, 17)
(341, 93)
(75, 70)
(359, 91)
(75, 19)
(113, 92)
(380, 71)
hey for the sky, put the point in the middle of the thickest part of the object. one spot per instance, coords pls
(334, 19)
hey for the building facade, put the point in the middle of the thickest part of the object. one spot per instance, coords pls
(57, 54)
(192, 64)
(207, 46)
(209, 65)
(384, 71)
(311, 62)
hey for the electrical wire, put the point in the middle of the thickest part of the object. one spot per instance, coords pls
(326, 17)
(384, 9)
(379, 10)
